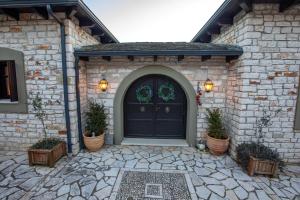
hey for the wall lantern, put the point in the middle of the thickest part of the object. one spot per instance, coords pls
(103, 84)
(208, 85)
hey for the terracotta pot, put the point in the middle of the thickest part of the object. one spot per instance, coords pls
(264, 167)
(217, 146)
(47, 157)
(93, 143)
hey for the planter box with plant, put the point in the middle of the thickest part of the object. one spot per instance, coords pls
(217, 139)
(49, 150)
(96, 126)
(257, 158)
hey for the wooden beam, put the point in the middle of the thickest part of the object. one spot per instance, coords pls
(91, 26)
(225, 21)
(42, 12)
(84, 58)
(131, 58)
(285, 4)
(207, 39)
(86, 23)
(246, 5)
(180, 58)
(205, 58)
(213, 31)
(71, 12)
(11, 12)
(96, 32)
(107, 58)
(230, 58)
(155, 58)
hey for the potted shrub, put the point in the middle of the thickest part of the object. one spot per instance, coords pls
(217, 139)
(48, 150)
(256, 158)
(96, 126)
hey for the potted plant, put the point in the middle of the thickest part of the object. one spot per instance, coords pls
(257, 158)
(96, 126)
(217, 139)
(48, 150)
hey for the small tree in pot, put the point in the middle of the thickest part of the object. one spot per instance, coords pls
(217, 139)
(255, 157)
(48, 150)
(96, 126)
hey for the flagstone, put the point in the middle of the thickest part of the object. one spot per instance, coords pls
(86, 191)
(203, 192)
(240, 193)
(262, 195)
(218, 176)
(74, 190)
(209, 177)
(230, 183)
(101, 184)
(112, 172)
(230, 195)
(218, 189)
(155, 165)
(30, 183)
(240, 175)
(63, 190)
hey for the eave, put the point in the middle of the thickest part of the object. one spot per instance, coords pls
(158, 53)
(225, 14)
(71, 7)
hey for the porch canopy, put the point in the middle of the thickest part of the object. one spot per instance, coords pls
(179, 49)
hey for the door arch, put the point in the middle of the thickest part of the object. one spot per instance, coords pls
(191, 108)
(155, 107)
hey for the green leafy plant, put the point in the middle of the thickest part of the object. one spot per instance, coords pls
(47, 143)
(215, 124)
(40, 113)
(259, 151)
(96, 119)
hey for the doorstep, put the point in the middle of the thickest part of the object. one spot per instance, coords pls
(155, 142)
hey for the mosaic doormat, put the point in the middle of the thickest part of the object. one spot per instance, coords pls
(153, 186)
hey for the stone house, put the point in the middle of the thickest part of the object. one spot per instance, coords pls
(249, 49)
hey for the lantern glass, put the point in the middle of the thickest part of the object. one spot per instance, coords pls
(208, 85)
(103, 84)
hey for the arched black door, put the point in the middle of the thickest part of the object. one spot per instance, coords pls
(155, 107)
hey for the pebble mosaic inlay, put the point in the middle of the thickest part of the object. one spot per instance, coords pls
(153, 185)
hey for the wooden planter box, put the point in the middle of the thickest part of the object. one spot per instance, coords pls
(47, 157)
(264, 167)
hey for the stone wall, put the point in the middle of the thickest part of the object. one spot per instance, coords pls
(39, 40)
(75, 38)
(191, 67)
(265, 76)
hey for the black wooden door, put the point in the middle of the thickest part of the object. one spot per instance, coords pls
(155, 107)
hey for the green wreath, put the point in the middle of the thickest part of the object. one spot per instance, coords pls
(144, 94)
(166, 92)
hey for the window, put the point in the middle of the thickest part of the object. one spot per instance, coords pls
(8, 81)
(297, 118)
(13, 95)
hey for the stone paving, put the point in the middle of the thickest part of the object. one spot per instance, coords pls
(102, 175)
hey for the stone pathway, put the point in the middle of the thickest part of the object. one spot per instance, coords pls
(102, 175)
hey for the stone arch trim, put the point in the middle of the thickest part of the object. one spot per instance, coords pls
(191, 123)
